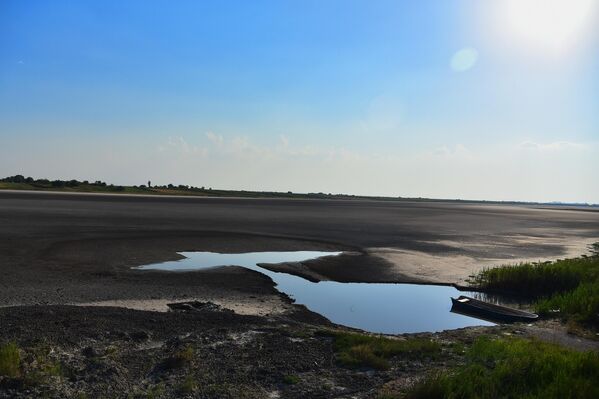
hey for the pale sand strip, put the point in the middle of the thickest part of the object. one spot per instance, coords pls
(263, 306)
(422, 267)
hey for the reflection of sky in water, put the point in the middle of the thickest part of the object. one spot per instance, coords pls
(386, 308)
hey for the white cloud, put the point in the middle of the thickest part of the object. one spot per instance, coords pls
(553, 146)
(180, 146)
(459, 150)
(284, 140)
(215, 138)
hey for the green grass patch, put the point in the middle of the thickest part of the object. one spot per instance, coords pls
(568, 288)
(536, 280)
(516, 368)
(291, 379)
(10, 360)
(189, 385)
(186, 354)
(360, 350)
(579, 305)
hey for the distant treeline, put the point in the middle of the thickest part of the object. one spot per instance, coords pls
(87, 186)
(53, 183)
(76, 183)
(20, 182)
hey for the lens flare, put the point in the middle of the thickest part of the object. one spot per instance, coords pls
(464, 59)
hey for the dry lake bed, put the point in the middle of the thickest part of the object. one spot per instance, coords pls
(79, 273)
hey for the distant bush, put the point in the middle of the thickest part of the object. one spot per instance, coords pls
(14, 179)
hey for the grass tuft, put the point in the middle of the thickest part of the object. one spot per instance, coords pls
(10, 360)
(291, 379)
(189, 385)
(360, 350)
(179, 359)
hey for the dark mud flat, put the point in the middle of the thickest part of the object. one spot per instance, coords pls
(113, 352)
(106, 352)
(71, 249)
(63, 248)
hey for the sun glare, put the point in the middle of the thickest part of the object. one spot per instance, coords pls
(554, 25)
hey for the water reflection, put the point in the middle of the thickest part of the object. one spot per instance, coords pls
(384, 308)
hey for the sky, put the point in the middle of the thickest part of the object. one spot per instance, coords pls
(495, 100)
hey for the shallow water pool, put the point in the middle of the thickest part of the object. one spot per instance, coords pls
(381, 308)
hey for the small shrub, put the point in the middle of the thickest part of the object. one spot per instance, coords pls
(186, 354)
(157, 391)
(179, 359)
(53, 369)
(188, 385)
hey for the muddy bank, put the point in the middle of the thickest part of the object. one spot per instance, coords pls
(74, 351)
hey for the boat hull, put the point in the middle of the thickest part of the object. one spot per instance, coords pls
(487, 311)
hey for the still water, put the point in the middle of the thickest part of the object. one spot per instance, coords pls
(381, 308)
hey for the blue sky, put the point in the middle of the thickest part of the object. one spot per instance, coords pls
(452, 99)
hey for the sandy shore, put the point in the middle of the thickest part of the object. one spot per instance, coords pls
(265, 305)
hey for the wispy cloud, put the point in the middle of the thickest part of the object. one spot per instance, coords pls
(214, 138)
(242, 147)
(458, 150)
(180, 146)
(553, 146)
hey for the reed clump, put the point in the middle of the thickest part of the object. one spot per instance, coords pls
(568, 288)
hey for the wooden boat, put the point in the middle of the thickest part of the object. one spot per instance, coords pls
(488, 311)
